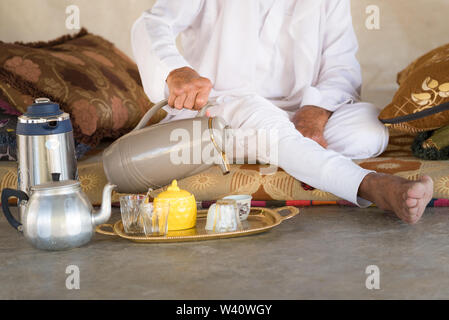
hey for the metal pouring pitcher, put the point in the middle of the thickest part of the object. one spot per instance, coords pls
(142, 159)
(57, 215)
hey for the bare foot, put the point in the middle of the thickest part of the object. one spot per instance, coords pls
(408, 199)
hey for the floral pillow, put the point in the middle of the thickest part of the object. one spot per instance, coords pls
(93, 81)
(422, 101)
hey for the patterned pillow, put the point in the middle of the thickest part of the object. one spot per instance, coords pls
(97, 84)
(8, 124)
(422, 101)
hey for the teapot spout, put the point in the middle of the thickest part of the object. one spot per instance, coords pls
(104, 214)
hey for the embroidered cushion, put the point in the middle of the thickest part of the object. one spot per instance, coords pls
(92, 80)
(422, 101)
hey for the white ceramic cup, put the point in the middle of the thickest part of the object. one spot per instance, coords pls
(243, 203)
(223, 216)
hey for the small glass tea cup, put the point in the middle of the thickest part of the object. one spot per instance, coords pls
(155, 218)
(130, 211)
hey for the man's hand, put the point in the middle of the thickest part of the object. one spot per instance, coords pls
(311, 121)
(187, 89)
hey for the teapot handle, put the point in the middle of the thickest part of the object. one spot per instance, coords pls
(150, 113)
(6, 194)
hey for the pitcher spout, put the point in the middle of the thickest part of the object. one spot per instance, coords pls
(103, 215)
(224, 164)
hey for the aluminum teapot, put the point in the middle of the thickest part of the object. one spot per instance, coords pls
(57, 215)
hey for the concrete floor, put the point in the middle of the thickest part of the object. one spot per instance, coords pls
(323, 253)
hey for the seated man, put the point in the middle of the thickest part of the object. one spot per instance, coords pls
(288, 65)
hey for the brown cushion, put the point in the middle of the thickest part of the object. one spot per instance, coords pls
(421, 103)
(97, 84)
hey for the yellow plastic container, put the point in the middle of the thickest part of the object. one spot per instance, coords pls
(182, 213)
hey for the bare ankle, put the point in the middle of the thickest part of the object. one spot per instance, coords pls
(367, 186)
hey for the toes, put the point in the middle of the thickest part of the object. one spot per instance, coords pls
(415, 218)
(411, 202)
(415, 197)
(410, 219)
(415, 214)
(417, 191)
(421, 189)
(412, 215)
(427, 180)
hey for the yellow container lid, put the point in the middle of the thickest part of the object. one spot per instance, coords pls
(173, 192)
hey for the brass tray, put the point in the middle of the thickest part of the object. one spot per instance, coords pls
(259, 220)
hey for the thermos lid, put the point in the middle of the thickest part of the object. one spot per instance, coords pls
(43, 118)
(56, 185)
(42, 110)
(43, 107)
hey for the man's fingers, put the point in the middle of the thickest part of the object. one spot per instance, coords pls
(187, 89)
(171, 100)
(179, 101)
(190, 100)
(201, 98)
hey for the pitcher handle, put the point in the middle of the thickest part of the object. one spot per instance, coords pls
(150, 113)
(6, 194)
(202, 112)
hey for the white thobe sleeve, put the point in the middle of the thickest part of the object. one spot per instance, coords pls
(162, 24)
(339, 80)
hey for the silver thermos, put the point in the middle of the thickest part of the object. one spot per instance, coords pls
(142, 159)
(45, 146)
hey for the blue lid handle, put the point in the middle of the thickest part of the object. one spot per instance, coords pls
(43, 107)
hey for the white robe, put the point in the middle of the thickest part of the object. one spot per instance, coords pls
(302, 53)
(266, 59)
